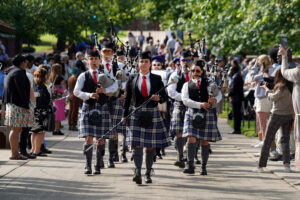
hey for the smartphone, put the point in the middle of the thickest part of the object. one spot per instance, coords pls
(284, 42)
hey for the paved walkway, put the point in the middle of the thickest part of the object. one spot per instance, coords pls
(60, 175)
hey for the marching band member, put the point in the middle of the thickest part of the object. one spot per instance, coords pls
(110, 68)
(94, 120)
(200, 120)
(174, 92)
(145, 128)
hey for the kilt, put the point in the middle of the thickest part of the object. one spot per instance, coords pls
(155, 136)
(210, 133)
(177, 118)
(85, 129)
(116, 115)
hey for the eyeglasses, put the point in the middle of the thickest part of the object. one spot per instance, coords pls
(185, 60)
(107, 51)
(158, 65)
(195, 70)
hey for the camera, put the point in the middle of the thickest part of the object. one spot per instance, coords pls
(269, 82)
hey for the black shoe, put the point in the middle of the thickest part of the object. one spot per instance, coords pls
(189, 170)
(29, 156)
(184, 159)
(180, 164)
(58, 133)
(110, 164)
(203, 171)
(235, 132)
(123, 158)
(88, 170)
(198, 162)
(45, 150)
(102, 164)
(116, 157)
(159, 156)
(97, 170)
(137, 177)
(277, 157)
(147, 178)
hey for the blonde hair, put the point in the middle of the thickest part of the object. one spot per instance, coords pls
(264, 59)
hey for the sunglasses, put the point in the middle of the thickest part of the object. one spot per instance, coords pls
(107, 51)
(185, 60)
(195, 71)
(158, 65)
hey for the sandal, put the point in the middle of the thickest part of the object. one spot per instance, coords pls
(18, 157)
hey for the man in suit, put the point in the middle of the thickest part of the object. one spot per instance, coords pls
(236, 95)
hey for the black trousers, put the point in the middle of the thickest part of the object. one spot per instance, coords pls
(237, 114)
(23, 140)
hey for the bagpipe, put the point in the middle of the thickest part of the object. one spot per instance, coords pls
(213, 75)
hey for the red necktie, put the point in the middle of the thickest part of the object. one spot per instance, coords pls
(144, 87)
(94, 77)
(107, 66)
(187, 78)
(198, 84)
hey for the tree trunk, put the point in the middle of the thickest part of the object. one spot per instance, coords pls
(18, 44)
(61, 44)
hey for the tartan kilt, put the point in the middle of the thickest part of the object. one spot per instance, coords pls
(210, 133)
(177, 118)
(85, 129)
(155, 136)
(116, 115)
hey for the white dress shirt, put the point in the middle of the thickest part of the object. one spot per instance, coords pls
(191, 103)
(139, 82)
(85, 95)
(172, 92)
(110, 72)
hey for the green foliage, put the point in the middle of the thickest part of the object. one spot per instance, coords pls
(66, 19)
(232, 26)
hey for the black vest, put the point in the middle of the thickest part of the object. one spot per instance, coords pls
(90, 87)
(180, 84)
(198, 95)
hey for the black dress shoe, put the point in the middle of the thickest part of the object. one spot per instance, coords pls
(163, 152)
(102, 164)
(277, 157)
(235, 132)
(203, 171)
(88, 170)
(110, 164)
(123, 158)
(180, 164)
(147, 178)
(116, 157)
(58, 133)
(45, 150)
(198, 162)
(189, 170)
(30, 156)
(97, 170)
(137, 177)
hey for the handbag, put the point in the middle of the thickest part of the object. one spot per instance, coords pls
(49, 121)
(199, 119)
(145, 119)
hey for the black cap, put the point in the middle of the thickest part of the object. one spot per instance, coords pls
(91, 53)
(120, 52)
(146, 55)
(108, 45)
(201, 63)
(186, 53)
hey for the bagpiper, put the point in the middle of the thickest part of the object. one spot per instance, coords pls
(145, 128)
(94, 119)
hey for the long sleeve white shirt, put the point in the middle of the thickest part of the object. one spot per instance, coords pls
(191, 103)
(86, 95)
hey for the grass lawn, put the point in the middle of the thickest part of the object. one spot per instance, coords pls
(248, 131)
